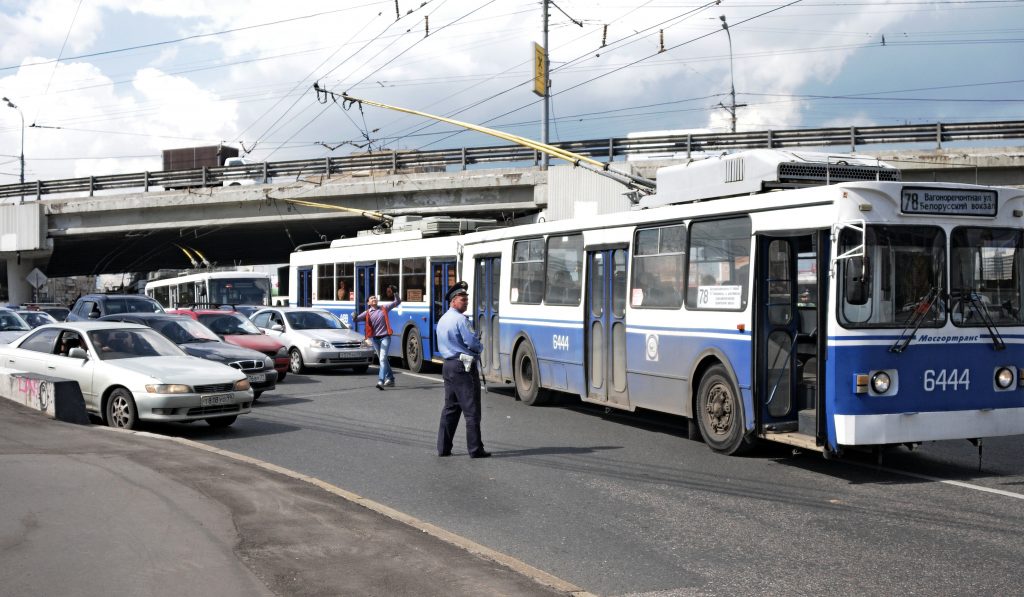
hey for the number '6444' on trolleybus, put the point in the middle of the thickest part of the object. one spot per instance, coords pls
(863, 313)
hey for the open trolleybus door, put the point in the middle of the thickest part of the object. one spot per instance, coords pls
(789, 355)
(486, 282)
(304, 294)
(366, 282)
(605, 331)
(442, 277)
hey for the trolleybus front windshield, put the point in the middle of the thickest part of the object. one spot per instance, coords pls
(985, 276)
(901, 267)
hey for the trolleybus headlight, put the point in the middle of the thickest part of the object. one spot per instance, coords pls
(880, 382)
(1004, 378)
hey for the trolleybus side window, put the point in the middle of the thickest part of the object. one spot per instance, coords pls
(343, 281)
(528, 271)
(414, 280)
(985, 276)
(658, 256)
(325, 281)
(564, 269)
(902, 273)
(719, 270)
(388, 274)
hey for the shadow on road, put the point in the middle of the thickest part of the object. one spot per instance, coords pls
(559, 450)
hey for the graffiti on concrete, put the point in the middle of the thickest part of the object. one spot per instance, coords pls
(30, 391)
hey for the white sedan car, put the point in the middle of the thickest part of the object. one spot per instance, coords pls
(315, 338)
(129, 372)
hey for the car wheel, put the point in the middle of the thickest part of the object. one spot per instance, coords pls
(121, 412)
(361, 369)
(221, 422)
(413, 346)
(295, 364)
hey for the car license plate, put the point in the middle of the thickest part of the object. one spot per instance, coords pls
(258, 378)
(216, 399)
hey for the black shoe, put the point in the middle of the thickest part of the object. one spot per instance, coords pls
(380, 386)
(443, 454)
(480, 454)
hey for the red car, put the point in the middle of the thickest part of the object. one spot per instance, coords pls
(234, 328)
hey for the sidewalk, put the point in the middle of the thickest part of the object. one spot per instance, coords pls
(89, 512)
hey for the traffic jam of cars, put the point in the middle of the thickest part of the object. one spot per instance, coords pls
(136, 362)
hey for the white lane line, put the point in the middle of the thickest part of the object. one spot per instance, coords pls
(1001, 492)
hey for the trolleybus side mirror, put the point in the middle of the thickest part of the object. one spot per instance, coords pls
(857, 280)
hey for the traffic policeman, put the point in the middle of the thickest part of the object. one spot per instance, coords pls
(461, 348)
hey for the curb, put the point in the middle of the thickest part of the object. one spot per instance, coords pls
(472, 547)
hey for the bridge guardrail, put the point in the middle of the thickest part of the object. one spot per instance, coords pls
(607, 149)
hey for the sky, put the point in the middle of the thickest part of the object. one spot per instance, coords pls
(105, 85)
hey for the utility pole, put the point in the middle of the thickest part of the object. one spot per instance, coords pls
(732, 86)
(547, 93)
(10, 104)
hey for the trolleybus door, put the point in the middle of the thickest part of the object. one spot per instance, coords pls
(366, 282)
(304, 296)
(442, 278)
(788, 349)
(486, 281)
(605, 331)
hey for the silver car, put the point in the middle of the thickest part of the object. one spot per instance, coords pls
(12, 326)
(35, 318)
(128, 372)
(315, 338)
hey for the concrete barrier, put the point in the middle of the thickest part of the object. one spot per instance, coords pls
(59, 398)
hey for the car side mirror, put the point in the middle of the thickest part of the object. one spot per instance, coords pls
(277, 327)
(78, 353)
(857, 280)
(94, 314)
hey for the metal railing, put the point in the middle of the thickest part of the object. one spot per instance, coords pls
(606, 149)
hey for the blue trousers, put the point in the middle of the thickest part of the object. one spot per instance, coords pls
(380, 346)
(461, 397)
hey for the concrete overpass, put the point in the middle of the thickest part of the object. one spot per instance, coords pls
(245, 225)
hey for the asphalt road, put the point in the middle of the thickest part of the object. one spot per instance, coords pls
(625, 505)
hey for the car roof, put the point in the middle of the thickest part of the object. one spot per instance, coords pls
(202, 312)
(153, 316)
(88, 326)
(296, 309)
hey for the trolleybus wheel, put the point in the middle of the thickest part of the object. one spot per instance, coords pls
(527, 377)
(413, 351)
(719, 413)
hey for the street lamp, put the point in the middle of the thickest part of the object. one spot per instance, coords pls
(732, 86)
(22, 156)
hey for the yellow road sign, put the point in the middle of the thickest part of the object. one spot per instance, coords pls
(540, 86)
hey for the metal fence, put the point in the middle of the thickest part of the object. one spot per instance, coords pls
(603, 149)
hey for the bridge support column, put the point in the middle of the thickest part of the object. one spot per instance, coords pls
(19, 291)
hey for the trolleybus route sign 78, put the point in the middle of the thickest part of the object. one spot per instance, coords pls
(948, 202)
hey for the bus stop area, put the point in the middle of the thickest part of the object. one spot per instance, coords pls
(93, 511)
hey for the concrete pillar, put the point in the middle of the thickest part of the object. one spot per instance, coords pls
(19, 291)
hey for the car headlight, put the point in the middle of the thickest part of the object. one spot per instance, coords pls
(169, 388)
(1004, 378)
(242, 385)
(268, 363)
(282, 352)
(368, 343)
(880, 382)
(316, 343)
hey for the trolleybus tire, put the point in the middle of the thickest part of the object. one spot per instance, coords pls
(719, 413)
(527, 377)
(412, 351)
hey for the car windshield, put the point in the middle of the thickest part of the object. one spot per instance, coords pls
(37, 318)
(314, 320)
(131, 343)
(986, 278)
(10, 322)
(231, 324)
(185, 331)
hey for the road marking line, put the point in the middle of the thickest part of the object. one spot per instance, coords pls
(473, 547)
(1001, 492)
